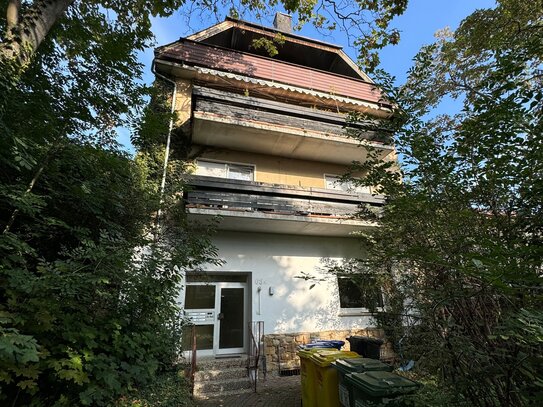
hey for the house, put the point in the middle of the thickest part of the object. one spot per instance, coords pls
(267, 136)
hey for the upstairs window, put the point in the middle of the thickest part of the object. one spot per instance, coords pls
(225, 170)
(355, 296)
(335, 182)
(243, 172)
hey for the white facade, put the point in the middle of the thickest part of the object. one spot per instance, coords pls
(275, 261)
(275, 292)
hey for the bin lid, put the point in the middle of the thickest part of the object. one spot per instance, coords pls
(326, 357)
(307, 353)
(323, 344)
(332, 342)
(367, 339)
(360, 365)
(379, 383)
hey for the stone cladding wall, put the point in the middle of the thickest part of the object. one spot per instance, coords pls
(280, 349)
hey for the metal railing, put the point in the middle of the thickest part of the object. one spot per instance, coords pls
(256, 345)
(192, 368)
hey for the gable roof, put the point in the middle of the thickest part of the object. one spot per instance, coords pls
(224, 55)
(239, 35)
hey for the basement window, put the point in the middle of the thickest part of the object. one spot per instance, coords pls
(358, 298)
(225, 170)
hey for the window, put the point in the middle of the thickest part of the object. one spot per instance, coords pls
(211, 169)
(356, 296)
(243, 172)
(225, 170)
(199, 296)
(334, 182)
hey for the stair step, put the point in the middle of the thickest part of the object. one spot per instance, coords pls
(220, 386)
(221, 374)
(221, 363)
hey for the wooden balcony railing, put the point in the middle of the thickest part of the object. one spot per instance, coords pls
(227, 194)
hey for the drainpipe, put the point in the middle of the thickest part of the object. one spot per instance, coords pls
(168, 138)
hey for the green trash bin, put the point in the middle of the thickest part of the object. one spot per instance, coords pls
(356, 365)
(379, 388)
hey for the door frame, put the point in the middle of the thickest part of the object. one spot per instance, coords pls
(216, 337)
(216, 322)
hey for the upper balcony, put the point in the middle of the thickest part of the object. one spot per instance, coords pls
(244, 123)
(270, 208)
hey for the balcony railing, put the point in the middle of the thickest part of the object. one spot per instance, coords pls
(237, 195)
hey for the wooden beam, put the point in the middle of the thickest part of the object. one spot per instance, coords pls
(303, 207)
(261, 188)
(211, 106)
(278, 107)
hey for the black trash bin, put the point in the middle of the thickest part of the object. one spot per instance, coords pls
(366, 346)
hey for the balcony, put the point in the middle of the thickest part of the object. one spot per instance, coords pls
(259, 207)
(238, 122)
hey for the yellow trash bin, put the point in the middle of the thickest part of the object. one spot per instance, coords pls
(326, 378)
(307, 373)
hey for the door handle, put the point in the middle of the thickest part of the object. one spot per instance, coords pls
(220, 317)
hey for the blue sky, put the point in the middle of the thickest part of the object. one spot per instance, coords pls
(418, 25)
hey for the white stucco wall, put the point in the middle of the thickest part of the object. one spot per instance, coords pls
(274, 261)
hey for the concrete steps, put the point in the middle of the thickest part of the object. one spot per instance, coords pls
(223, 363)
(221, 374)
(221, 377)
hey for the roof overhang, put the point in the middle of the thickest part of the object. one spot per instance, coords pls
(273, 88)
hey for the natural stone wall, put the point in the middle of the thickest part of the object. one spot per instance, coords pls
(280, 349)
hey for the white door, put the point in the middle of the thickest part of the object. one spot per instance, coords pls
(218, 310)
(231, 328)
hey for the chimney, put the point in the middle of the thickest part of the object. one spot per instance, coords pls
(283, 22)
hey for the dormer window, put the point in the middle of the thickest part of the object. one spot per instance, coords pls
(242, 172)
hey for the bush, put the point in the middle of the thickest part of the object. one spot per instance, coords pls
(89, 296)
(169, 389)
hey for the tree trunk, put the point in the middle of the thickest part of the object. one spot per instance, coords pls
(25, 32)
(23, 35)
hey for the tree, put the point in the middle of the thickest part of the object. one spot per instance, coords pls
(460, 246)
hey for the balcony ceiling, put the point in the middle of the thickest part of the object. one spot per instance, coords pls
(232, 133)
(281, 224)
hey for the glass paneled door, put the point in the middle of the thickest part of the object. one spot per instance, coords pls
(231, 318)
(218, 309)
